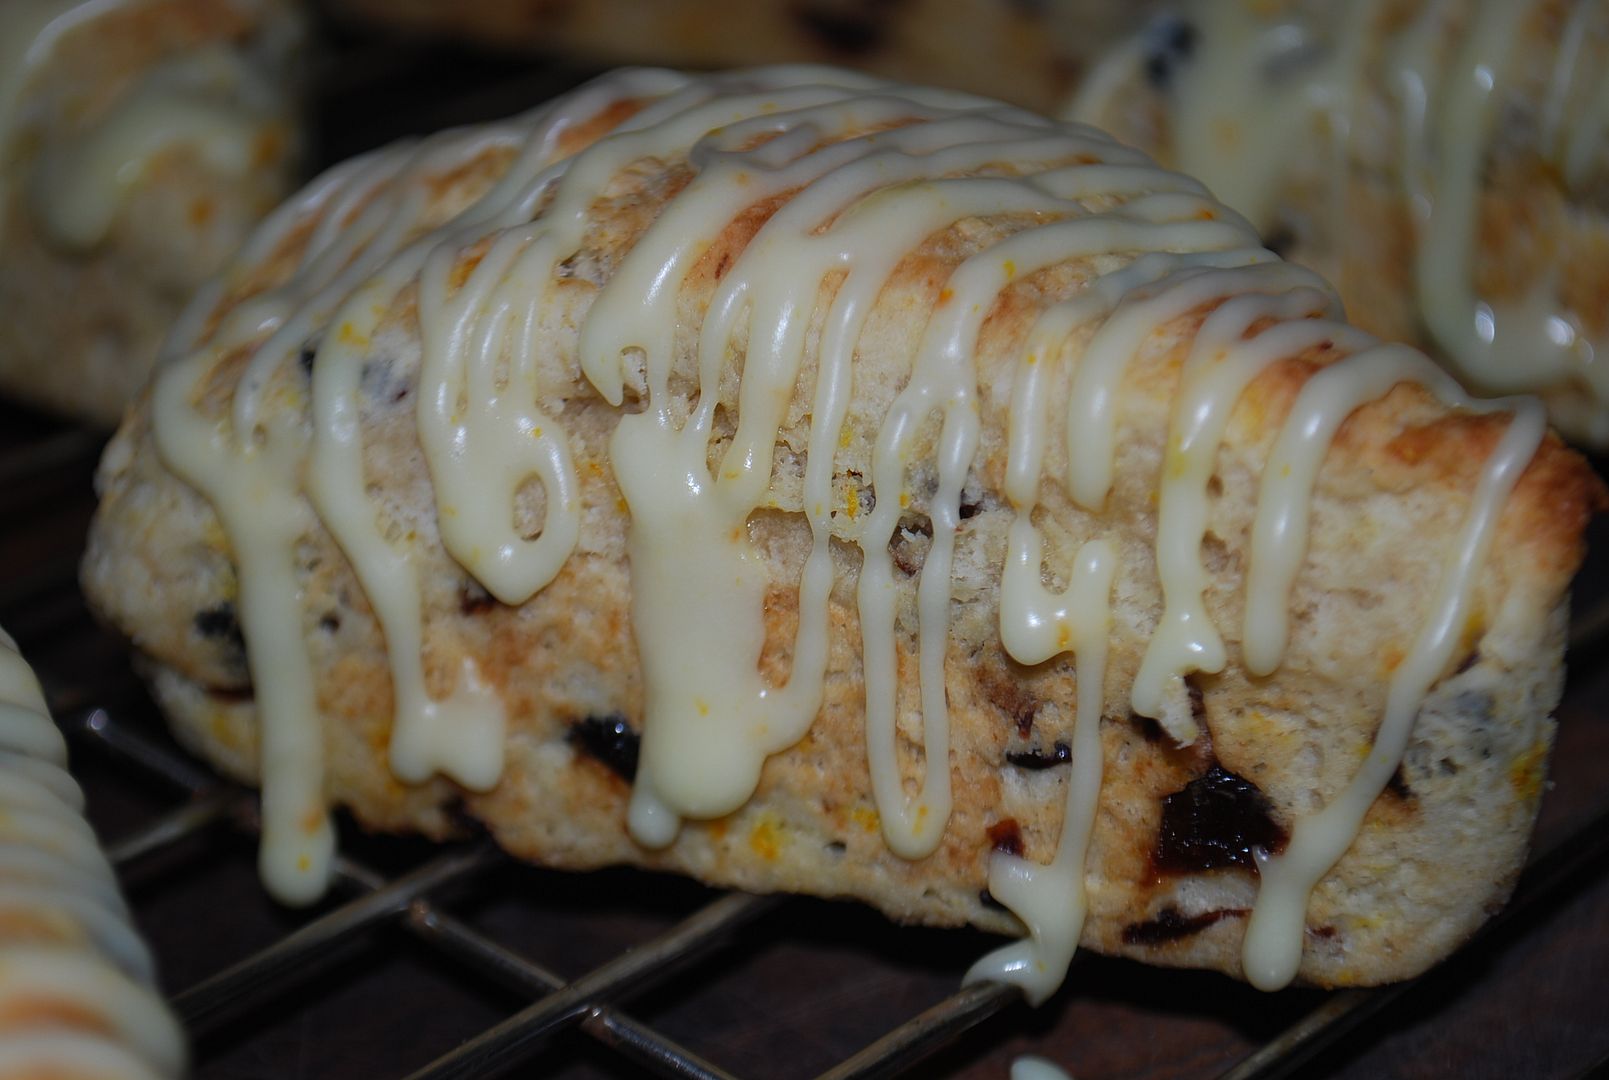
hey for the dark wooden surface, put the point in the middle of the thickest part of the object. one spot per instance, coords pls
(809, 983)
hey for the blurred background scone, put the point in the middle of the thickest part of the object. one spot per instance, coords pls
(1442, 163)
(1027, 53)
(139, 141)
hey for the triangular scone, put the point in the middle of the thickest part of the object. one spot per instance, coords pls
(807, 426)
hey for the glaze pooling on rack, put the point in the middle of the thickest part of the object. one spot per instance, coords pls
(1261, 80)
(75, 948)
(864, 173)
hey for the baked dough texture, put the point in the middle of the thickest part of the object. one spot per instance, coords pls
(140, 142)
(1445, 165)
(1170, 871)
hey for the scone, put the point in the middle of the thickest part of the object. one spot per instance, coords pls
(1444, 164)
(140, 142)
(808, 482)
(77, 1000)
(1030, 54)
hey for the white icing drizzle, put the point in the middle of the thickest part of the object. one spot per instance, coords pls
(1274, 935)
(1220, 366)
(75, 948)
(865, 173)
(369, 214)
(1260, 91)
(210, 99)
(1050, 899)
(687, 556)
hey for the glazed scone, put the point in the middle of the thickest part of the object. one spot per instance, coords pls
(807, 482)
(77, 995)
(1444, 164)
(140, 142)
(1025, 53)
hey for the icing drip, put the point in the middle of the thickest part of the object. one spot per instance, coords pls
(1220, 366)
(1051, 900)
(1274, 935)
(82, 950)
(1257, 85)
(861, 175)
(369, 221)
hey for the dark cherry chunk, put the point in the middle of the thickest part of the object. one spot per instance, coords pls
(1216, 821)
(1006, 835)
(610, 740)
(219, 623)
(1398, 785)
(1038, 759)
(1171, 925)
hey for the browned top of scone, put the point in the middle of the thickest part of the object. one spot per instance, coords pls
(1165, 883)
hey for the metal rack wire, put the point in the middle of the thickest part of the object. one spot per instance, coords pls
(417, 899)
